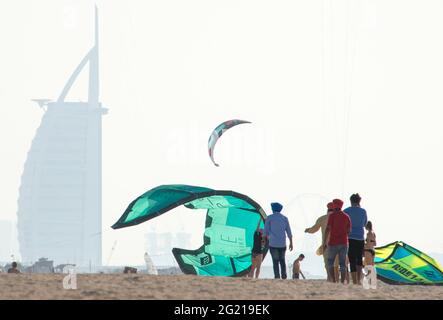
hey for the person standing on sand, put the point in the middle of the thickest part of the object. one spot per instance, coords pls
(276, 228)
(257, 252)
(13, 268)
(370, 244)
(321, 223)
(370, 273)
(359, 219)
(337, 230)
(296, 269)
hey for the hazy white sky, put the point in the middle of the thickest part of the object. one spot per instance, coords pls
(345, 96)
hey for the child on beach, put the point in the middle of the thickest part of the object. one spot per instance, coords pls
(296, 271)
(14, 268)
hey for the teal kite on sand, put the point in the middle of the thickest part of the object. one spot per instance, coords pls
(231, 220)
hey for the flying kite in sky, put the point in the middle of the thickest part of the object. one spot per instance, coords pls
(228, 238)
(399, 263)
(218, 132)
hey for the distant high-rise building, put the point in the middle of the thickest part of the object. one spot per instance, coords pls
(182, 240)
(5, 240)
(59, 207)
(158, 243)
(161, 243)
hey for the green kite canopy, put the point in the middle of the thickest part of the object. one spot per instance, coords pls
(399, 263)
(231, 220)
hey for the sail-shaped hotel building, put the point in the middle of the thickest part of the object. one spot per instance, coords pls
(59, 206)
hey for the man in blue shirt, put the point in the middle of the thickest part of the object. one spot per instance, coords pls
(359, 220)
(276, 229)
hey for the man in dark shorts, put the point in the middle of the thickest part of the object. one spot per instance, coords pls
(359, 219)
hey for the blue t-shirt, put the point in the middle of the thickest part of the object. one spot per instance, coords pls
(358, 219)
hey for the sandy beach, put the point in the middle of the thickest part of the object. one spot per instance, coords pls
(139, 286)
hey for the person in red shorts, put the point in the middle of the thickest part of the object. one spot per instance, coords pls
(337, 231)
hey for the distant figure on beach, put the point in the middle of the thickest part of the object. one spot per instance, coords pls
(359, 219)
(276, 229)
(296, 268)
(321, 223)
(337, 230)
(370, 244)
(150, 268)
(257, 252)
(13, 268)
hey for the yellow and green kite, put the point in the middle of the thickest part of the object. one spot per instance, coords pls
(399, 263)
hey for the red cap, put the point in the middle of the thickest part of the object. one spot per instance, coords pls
(330, 206)
(337, 204)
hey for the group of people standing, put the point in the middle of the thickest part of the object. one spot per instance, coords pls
(343, 242)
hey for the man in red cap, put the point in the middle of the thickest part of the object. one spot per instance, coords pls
(336, 236)
(321, 223)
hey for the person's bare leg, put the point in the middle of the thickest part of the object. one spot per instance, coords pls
(332, 274)
(354, 277)
(359, 274)
(257, 268)
(257, 272)
(251, 272)
(342, 276)
(336, 273)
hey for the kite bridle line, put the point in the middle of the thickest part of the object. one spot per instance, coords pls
(327, 19)
(349, 83)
